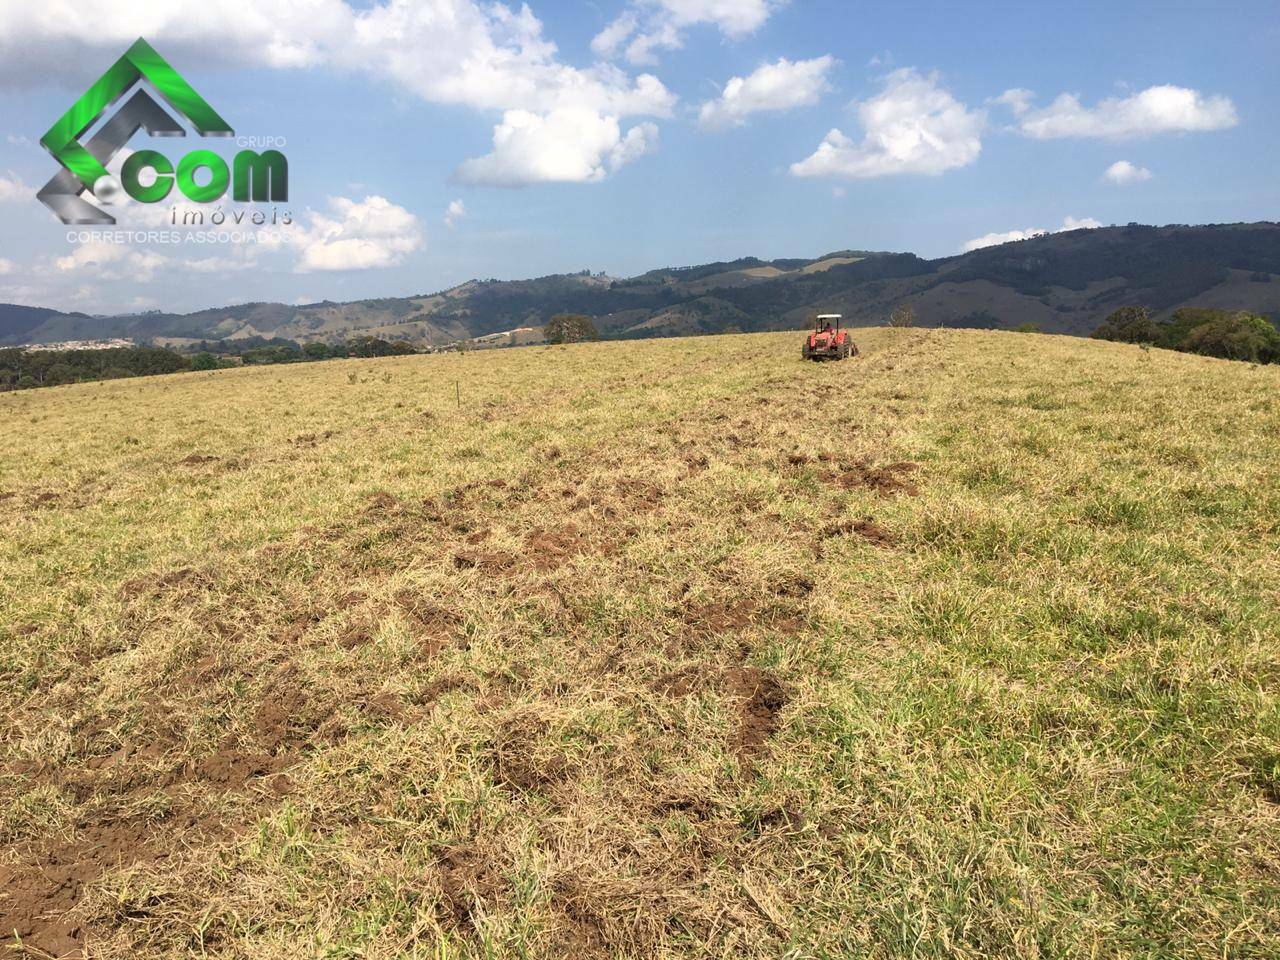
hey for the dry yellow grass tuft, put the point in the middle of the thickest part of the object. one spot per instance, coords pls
(966, 647)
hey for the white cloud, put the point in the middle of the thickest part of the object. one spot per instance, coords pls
(1160, 109)
(1078, 223)
(1017, 99)
(1122, 173)
(992, 239)
(358, 235)
(112, 261)
(607, 41)
(653, 25)
(17, 140)
(563, 146)
(454, 212)
(735, 18)
(773, 86)
(13, 190)
(480, 55)
(912, 126)
(6, 266)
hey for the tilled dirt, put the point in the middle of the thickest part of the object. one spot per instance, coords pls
(43, 881)
(888, 480)
(865, 528)
(761, 698)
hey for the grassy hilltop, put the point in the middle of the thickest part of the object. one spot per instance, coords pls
(966, 647)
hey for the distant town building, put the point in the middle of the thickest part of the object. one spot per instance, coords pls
(113, 343)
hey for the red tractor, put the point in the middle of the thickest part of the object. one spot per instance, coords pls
(828, 341)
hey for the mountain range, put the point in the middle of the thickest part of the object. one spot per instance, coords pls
(1062, 283)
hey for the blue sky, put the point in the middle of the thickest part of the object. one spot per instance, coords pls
(611, 135)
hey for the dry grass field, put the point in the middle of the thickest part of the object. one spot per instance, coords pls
(968, 647)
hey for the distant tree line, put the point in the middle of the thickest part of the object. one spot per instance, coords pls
(23, 369)
(1229, 334)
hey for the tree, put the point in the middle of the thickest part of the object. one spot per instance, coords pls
(903, 315)
(1237, 336)
(1175, 332)
(1129, 325)
(570, 328)
(317, 351)
(204, 361)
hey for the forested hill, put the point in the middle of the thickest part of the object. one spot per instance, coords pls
(1064, 283)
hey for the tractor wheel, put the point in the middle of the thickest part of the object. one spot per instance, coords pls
(804, 352)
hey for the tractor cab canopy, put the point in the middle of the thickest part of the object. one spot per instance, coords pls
(827, 321)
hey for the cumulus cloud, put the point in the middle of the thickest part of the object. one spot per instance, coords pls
(912, 126)
(1017, 99)
(112, 261)
(773, 86)
(1159, 109)
(1123, 173)
(13, 190)
(462, 52)
(454, 212)
(992, 239)
(563, 146)
(6, 266)
(358, 235)
(480, 55)
(607, 41)
(654, 25)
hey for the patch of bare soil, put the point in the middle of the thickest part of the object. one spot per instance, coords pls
(719, 616)
(578, 933)
(695, 463)
(161, 583)
(45, 501)
(38, 892)
(442, 686)
(287, 716)
(517, 763)
(310, 439)
(761, 698)
(639, 495)
(470, 883)
(551, 549)
(232, 767)
(795, 587)
(380, 503)
(865, 528)
(488, 561)
(887, 480)
(432, 624)
(739, 614)
(683, 682)
(35, 897)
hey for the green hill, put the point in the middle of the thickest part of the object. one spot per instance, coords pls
(1063, 283)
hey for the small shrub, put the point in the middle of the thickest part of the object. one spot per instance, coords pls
(903, 315)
